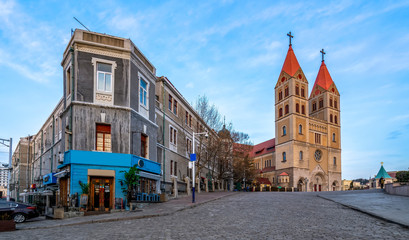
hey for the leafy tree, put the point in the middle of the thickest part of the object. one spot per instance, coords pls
(402, 176)
(130, 181)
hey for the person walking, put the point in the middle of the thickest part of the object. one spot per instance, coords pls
(381, 181)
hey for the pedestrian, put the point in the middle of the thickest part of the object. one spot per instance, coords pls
(381, 181)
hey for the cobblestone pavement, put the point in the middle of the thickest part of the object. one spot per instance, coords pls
(262, 215)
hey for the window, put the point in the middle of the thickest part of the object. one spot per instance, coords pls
(335, 161)
(297, 90)
(284, 157)
(314, 106)
(286, 92)
(187, 118)
(284, 130)
(286, 109)
(297, 108)
(68, 81)
(330, 117)
(321, 103)
(175, 107)
(280, 112)
(302, 92)
(330, 102)
(318, 138)
(280, 95)
(143, 93)
(172, 135)
(333, 137)
(336, 119)
(188, 146)
(303, 109)
(301, 155)
(170, 102)
(190, 120)
(335, 104)
(171, 167)
(176, 169)
(144, 146)
(103, 138)
(300, 129)
(104, 77)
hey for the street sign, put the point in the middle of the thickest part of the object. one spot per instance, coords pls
(190, 165)
(193, 157)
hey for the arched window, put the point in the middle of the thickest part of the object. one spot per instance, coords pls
(300, 129)
(280, 112)
(330, 117)
(335, 104)
(284, 130)
(314, 106)
(333, 137)
(335, 161)
(284, 157)
(301, 155)
(297, 107)
(330, 102)
(297, 90)
(302, 92)
(335, 119)
(321, 103)
(303, 109)
(280, 95)
(286, 92)
(286, 109)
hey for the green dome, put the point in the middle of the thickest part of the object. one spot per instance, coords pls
(382, 173)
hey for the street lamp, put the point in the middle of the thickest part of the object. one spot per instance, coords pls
(194, 164)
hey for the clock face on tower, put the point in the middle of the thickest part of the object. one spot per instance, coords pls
(317, 155)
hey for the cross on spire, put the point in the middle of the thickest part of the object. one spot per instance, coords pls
(322, 52)
(290, 36)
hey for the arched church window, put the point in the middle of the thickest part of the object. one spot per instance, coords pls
(330, 102)
(284, 130)
(321, 103)
(336, 119)
(333, 137)
(302, 92)
(335, 161)
(330, 117)
(297, 90)
(300, 129)
(303, 109)
(280, 112)
(280, 95)
(286, 92)
(297, 107)
(314, 106)
(284, 157)
(335, 104)
(301, 153)
(286, 109)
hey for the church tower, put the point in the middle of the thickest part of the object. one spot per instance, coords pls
(291, 121)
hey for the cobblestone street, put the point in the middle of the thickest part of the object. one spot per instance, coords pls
(262, 215)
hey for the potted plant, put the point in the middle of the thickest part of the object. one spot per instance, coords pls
(84, 195)
(131, 179)
(6, 222)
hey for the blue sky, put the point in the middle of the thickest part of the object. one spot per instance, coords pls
(233, 52)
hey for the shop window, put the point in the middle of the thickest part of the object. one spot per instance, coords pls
(103, 137)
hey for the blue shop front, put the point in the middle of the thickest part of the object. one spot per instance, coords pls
(103, 172)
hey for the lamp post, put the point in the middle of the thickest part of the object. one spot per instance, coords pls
(194, 164)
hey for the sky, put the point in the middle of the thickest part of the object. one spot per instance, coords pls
(232, 52)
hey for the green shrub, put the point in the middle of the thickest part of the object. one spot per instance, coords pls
(402, 176)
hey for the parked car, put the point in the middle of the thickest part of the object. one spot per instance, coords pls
(20, 211)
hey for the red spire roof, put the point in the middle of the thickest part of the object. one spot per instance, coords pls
(323, 79)
(290, 65)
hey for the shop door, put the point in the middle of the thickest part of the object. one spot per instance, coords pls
(101, 194)
(63, 192)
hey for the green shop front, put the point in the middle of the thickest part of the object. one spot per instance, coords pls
(104, 173)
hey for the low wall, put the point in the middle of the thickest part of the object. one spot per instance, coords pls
(397, 189)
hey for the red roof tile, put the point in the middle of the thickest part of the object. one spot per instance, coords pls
(283, 174)
(290, 65)
(263, 181)
(263, 148)
(323, 79)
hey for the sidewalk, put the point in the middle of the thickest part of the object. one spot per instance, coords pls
(152, 210)
(377, 203)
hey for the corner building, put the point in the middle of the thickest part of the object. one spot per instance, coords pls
(307, 154)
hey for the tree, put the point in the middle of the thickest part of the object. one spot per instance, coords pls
(130, 181)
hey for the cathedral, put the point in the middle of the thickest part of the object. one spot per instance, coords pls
(306, 152)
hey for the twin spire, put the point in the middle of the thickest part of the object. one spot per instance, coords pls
(291, 66)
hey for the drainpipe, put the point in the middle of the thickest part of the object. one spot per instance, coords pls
(163, 132)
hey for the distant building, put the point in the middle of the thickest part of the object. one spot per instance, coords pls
(3, 180)
(305, 155)
(389, 177)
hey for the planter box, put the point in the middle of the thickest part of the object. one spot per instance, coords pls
(7, 225)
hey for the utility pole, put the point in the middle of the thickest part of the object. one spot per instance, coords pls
(10, 146)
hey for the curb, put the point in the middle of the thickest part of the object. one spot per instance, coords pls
(131, 217)
(366, 212)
